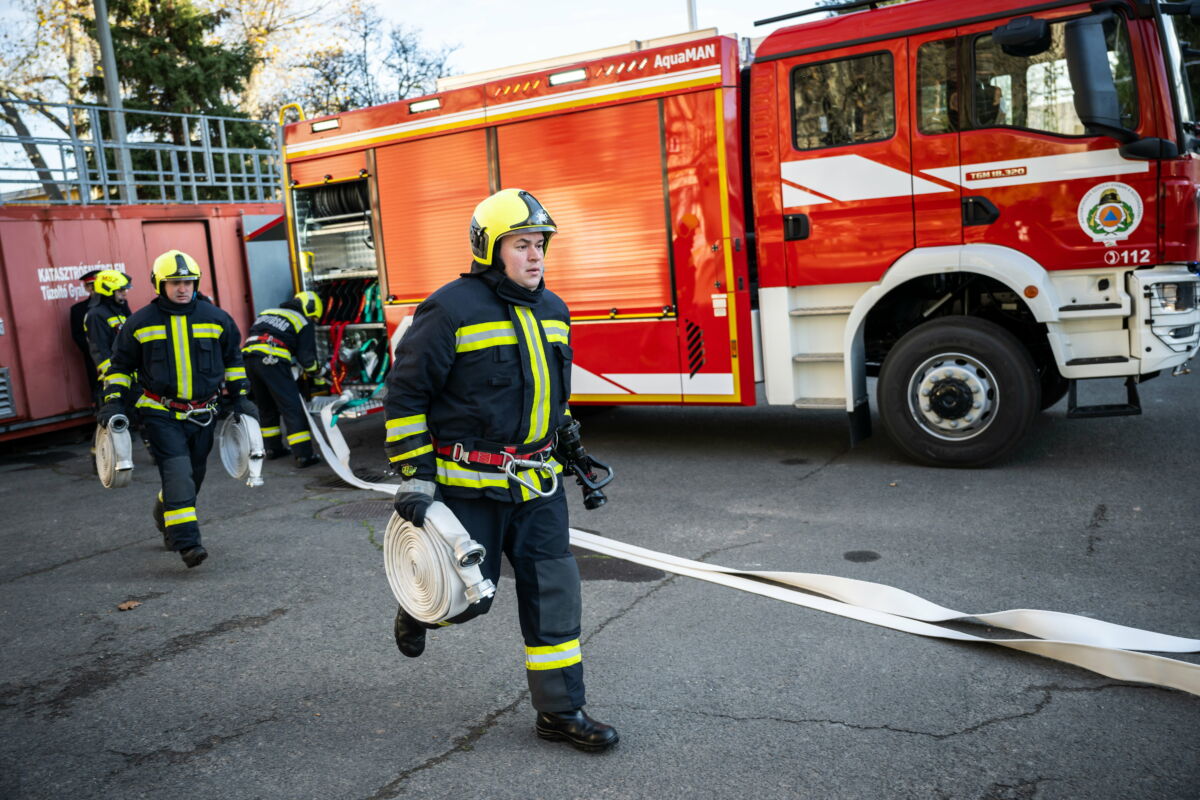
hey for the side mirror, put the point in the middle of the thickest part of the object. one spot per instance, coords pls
(1096, 100)
(1023, 37)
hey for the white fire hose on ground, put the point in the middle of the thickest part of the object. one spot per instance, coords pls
(239, 440)
(1101, 647)
(114, 453)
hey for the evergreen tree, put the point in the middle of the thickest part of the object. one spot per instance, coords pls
(168, 60)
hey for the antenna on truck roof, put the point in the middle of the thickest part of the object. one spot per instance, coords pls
(843, 7)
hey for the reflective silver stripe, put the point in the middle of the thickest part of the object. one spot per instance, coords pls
(556, 330)
(486, 334)
(298, 321)
(397, 432)
(451, 474)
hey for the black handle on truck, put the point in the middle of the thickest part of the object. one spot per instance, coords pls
(795, 227)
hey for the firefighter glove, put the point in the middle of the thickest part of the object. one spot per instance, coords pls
(243, 405)
(110, 409)
(414, 499)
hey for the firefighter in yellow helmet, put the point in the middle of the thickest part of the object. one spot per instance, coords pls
(103, 320)
(106, 316)
(79, 336)
(182, 351)
(481, 377)
(278, 338)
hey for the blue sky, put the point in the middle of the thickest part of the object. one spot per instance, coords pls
(493, 35)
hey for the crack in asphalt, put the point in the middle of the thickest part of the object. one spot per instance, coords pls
(464, 743)
(155, 537)
(1047, 697)
(109, 669)
(203, 747)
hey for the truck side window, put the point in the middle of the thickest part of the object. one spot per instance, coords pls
(1035, 92)
(937, 86)
(848, 101)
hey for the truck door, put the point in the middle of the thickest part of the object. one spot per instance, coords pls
(1037, 181)
(847, 183)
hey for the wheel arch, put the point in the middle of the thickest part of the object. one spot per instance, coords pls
(1004, 265)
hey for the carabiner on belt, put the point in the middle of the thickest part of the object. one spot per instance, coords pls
(207, 412)
(512, 463)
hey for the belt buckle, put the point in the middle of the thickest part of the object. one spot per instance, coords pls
(457, 453)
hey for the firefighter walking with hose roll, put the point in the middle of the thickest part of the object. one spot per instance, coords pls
(481, 381)
(279, 337)
(182, 350)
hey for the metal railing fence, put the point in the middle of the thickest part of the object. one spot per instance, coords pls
(166, 157)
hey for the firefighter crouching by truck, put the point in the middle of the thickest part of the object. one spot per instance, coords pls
(278, 337)
(482, 377)
(181, 350)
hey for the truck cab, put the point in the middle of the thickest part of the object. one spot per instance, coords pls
(981, 211)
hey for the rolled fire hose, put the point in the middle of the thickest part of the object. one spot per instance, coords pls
(434, 570)
(114, 453)
(1095, 645)
(239, 439)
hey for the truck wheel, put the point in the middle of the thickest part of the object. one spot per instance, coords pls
(958, 392)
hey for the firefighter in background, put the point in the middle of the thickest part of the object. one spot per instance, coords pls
(484, 374)
(278, 337)
(181, 350)
(79, 336)
(106, 316)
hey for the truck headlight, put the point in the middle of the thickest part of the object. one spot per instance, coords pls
(1175, 297)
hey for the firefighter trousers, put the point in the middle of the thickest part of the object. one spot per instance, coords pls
(535, 538)
(180, 448)
(276, 394)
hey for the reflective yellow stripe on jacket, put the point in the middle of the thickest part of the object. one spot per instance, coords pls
(403, 429)
(206, 330)
(556, 330)
(485, 334)
(539, 411)
(181, 344)
(150, 333)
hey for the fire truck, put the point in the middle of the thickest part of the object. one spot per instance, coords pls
(981, 206)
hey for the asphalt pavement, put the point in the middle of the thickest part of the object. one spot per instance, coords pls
(270, 670)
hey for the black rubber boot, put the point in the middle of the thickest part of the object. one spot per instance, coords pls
(272, 453)
(410, 634)
(307, 461)
(577, 729)
(193, 556)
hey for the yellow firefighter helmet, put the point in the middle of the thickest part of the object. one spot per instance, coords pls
(174, 265)
(109, 281)
(507, 211)
(311, 304)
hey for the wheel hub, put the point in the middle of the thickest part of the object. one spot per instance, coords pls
(953, 396)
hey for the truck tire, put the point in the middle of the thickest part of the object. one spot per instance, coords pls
(958, 392)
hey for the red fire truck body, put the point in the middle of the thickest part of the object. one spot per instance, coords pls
(979, 210)
(43, 252)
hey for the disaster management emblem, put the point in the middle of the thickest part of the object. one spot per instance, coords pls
(1110, 212)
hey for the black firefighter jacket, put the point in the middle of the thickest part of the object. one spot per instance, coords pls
(179, 352)
(287, 325)
(101, 323)
(486, 364)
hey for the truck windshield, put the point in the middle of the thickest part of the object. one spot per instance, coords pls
(1183, 66)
